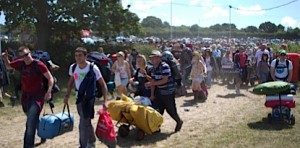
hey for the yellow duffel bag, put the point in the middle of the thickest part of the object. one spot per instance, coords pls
(146, 118)
(120, 111)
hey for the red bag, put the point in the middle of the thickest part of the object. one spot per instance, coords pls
(203, 87)
(105, 129)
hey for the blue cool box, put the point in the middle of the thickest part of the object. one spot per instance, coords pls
(53, 125)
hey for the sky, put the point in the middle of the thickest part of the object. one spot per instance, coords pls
(206, 13)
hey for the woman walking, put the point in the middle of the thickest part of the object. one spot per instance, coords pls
(121, 68)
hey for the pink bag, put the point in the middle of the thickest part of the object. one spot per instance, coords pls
(105, 129)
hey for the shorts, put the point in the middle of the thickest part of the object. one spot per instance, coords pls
(124, 81)
(197, 80)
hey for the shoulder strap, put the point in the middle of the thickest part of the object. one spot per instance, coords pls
(74, 67)
(287, 63)
(276, 63)
(36, 68)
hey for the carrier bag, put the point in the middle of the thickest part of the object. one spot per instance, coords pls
(105, 131)
(53, 125)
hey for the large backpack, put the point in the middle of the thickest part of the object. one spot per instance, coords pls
(42, 56)
(102, 62)
(172, 62)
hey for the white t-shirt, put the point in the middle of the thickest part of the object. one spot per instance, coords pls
(282, 70)
(259, 53)
(208, 64)
(79, 74)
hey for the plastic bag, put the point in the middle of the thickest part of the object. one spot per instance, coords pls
(143, 100)
(105, 131)
(117, 79)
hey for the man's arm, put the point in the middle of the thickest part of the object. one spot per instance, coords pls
(164, 80)
(6, 60)
(272, 71)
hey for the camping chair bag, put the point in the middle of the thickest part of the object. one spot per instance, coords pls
(271, 88)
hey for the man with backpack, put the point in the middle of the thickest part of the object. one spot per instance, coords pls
(85, 75)
(163, 82)
(185, 63)
(282, 68)
(33, 93)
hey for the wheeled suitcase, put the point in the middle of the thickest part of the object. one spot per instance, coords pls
(53, 125)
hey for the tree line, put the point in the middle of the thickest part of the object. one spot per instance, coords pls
(153, 26)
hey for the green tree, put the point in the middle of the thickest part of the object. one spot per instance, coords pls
(225, 27)
(67, 18)
(152, 21)
(216, 27)
(268, 27)
(194, 28)
(280, 27)
(251, 29)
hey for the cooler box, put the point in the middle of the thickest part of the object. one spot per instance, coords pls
(54, 125)
(286, 100)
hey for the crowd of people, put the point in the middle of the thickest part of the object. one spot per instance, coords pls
(173, 66)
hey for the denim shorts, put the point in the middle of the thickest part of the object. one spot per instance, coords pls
(124, 81)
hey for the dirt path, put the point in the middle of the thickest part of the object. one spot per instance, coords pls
(223, 109)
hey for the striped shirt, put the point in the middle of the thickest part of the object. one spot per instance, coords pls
(157, 74)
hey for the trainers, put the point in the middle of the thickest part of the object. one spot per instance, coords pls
(178, 126)
(90, 145)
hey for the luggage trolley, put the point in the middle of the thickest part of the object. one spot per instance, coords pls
(281, 105)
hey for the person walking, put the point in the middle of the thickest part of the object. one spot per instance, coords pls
(85, 75)
(33, 93)
(164, 97)
(263, 69)
(282, 68)
(197, 74)
(122, 67)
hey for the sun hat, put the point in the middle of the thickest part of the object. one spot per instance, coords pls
(155, 53)
(121, 53)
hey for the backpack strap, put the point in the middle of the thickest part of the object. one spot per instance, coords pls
(35, 66)
(276, 63)
(74, 67)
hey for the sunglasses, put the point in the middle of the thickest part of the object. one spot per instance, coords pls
(25, 55)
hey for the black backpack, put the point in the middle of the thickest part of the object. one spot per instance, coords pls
(167, 58)
(102, 62)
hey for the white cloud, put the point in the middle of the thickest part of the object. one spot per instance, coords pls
(251, 10)
(177, 21)
(145, 4)
(288, 21)
(202, 2)
(216, 12)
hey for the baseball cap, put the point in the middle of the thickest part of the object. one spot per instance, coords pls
(155, 53)
(282, 52)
